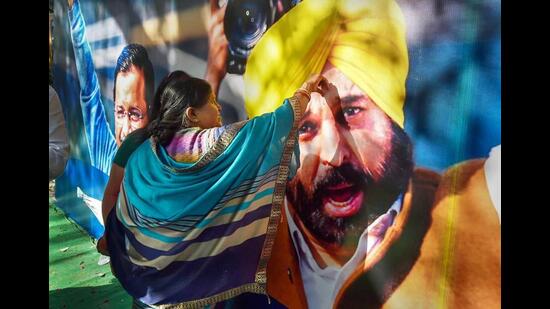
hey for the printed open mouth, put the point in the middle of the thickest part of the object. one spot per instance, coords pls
(342, 200)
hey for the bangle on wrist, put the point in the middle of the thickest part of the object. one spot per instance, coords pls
(304, 92)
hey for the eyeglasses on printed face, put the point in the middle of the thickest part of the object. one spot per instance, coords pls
(134, 114)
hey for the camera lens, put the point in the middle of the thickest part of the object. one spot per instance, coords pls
(244, 23)
(247, 21)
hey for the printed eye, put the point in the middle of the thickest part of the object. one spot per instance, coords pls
(120, 113)
(307, 127)
(135, 116)
(351, 111)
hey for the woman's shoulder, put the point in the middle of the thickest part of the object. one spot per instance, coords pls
(129, 145)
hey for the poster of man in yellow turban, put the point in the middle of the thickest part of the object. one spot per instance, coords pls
(363, 226)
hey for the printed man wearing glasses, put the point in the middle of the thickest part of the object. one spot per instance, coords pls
(132, 93)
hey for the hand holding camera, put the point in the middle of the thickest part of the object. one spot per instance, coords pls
(245, 23)
(217, 46)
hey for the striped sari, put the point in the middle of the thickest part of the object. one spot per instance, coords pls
(196, 221)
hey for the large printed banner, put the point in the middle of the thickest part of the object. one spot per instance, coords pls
(375, 207)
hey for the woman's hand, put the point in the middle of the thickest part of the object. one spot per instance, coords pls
(315, 83)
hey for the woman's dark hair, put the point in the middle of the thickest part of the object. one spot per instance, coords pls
(154, 111)
(175, 75)
(176, 96)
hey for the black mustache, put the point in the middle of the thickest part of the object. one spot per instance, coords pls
(347, 173)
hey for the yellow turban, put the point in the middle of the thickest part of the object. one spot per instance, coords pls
(364, 39)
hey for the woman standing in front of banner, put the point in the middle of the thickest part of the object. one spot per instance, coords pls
(200, 202)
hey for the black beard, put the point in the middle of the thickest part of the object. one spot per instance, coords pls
(378, 194)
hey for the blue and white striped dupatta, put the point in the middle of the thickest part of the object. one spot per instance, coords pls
(193, 234)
